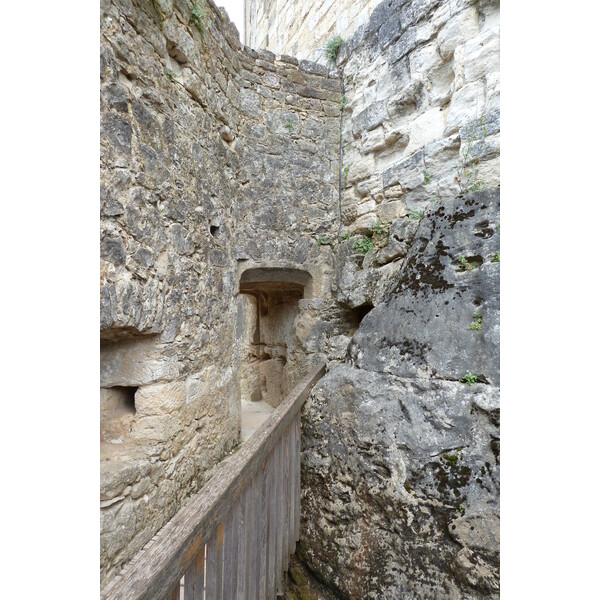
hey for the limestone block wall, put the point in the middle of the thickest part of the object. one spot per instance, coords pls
(422, 84)
(421, 126)
(211, 155)
(301, 27)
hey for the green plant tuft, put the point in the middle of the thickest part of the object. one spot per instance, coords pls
(466, 265)
(197, 17)
(156, 7)
(362, 245)
(451, 458)
(289, 124)
(469, 378)
(426, 176)
(345, 170)
(331, 49)
(496, 257)
(323, 241)
(476, 323)
(416, 215)
(343, 102)
(377, 228)
(345, 235)
(171, 75)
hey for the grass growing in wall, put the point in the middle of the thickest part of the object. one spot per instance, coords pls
(331, 49)
(197, 17)
(321, 240)
(362, 245)
(158, 11)
(469, 378)
(171, 75)
(465, 264)
(476, 323)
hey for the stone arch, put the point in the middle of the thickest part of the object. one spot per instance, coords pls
(276, 276)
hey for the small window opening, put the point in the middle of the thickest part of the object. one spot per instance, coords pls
(117, 412)
(124, 400)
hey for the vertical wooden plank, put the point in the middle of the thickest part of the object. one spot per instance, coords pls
(248, 539)
(262, 532)
(211, 566)
(241, 535)
(280, 515)
(286, 498)
(252, 539)
(297, 470)
(272, 543)
(220, 534)
(292, 514)
(174, 595)
(194, 579)
(230, 566)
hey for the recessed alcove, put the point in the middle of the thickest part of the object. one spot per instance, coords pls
(360, 312)
(355, 315)
(128, 361)
(117, 412)
(271, 308)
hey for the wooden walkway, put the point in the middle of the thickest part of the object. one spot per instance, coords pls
(232, 540)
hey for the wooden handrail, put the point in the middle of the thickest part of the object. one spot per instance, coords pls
(259, 471)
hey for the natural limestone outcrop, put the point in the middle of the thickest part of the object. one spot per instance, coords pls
(400, 472)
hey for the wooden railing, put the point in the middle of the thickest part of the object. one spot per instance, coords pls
(233, 540)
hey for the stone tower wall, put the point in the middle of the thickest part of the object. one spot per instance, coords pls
(301, 27)
(212, 157)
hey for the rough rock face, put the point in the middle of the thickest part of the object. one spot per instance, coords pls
(401, 460)
(441, 318)
(422, 117)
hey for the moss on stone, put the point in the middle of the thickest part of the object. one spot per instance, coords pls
(451, 458)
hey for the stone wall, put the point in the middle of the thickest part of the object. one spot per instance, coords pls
(211, 156)
(301, 28)
(219, 161)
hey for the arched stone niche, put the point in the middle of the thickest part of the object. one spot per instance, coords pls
(273, 360)
(281, 275)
